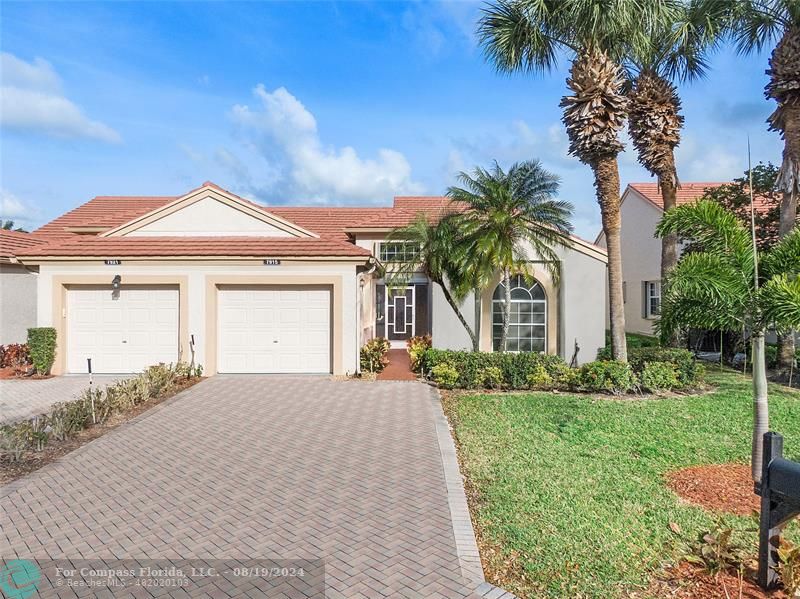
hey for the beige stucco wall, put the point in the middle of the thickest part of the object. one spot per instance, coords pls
(17, 303)
(209, 217)
(197, 279)
(641, 257)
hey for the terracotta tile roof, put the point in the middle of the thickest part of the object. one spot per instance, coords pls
(328, 222)
(688, 193)
(12, 242)
(424, 203)
(113, 247)
(108, 211)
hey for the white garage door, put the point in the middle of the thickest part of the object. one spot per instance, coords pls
(274, 330)
(122, 331)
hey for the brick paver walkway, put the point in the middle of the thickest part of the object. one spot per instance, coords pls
(23, 398)
(399, 367)
(259, 467)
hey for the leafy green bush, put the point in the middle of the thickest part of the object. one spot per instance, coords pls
(686, 366)
(490, 377)
(659, 376)
(373, 355)
(540, 379)
(607, 376)
(515, 367)
(416, 347)
(69, 417)
(42, 348)
(445, 375)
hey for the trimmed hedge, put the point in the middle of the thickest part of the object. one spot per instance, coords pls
(42, 348)
(472, 366)
(687, 369)
(649, 369)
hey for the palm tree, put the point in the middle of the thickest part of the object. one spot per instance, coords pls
(674, 51)
(529, 35)
(8, 225)
(726, 285)
(437, 255)
(755, 24)
(504, 213)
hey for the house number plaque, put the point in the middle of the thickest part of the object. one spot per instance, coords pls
(272, 262)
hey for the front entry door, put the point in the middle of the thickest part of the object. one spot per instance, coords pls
(400, 314)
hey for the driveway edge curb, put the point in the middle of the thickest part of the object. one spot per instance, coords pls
(466, 546)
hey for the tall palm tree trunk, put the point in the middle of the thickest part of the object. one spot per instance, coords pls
(606, 182)
(667, 181)
(506, 309)
(782, 87)
(788, 216)
(760, 404)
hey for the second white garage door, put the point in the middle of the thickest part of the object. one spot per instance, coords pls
(274, 330)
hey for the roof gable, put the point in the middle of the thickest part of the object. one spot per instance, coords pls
(209, 211)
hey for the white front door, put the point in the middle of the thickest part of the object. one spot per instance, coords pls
(274, 330)
(122, 331)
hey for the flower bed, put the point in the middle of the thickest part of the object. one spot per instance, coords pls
(22, 440)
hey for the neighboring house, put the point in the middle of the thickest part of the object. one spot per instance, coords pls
(17, 288)
(245, 288)
(642, 209)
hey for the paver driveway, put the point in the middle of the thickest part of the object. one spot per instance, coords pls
(261, 467)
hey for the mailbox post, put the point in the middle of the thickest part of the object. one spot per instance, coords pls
(780, 502)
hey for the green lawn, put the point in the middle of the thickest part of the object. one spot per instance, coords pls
(568, 491)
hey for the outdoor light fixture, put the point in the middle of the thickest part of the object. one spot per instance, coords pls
(116, 282)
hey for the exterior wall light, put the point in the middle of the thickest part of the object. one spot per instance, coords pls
(116, 282)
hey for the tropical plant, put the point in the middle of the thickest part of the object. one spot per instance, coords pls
(437, 255)
(8, 225)
(503, 214)
(529, 36)
(670, 52)
(757, 23)
(726, 285)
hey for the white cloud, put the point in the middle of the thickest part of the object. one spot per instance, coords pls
(31, 99)
(285, 135)
(13, 208)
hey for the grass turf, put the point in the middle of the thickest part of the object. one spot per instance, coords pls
(567, 491)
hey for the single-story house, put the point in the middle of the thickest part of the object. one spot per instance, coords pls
(246, 288)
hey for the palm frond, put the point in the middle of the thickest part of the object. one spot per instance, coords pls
(780, 302)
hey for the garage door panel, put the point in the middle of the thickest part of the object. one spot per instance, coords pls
(122, 331)
(278, 332)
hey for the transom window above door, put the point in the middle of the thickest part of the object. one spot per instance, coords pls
(527, 328)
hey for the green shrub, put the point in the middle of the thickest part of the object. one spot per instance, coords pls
(445, 375)
(416, 348)
(515, 367)
(540, 379)
(69, 417)
(684, 361)
(490, 377)
(607, 376)
(659, 376)
(373, 355)
(42, 348)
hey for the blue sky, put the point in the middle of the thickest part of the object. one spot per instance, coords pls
(309, 103)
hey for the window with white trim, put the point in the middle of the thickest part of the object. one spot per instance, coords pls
(652, 298)
(398, 251)
(527, 325)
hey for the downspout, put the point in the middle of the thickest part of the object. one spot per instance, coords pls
(362, 281)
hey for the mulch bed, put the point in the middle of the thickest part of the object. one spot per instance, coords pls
(33, 460)
(723, 487)
(688, 581)
(13, 373)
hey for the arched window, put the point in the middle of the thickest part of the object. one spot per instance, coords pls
(527, 326)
